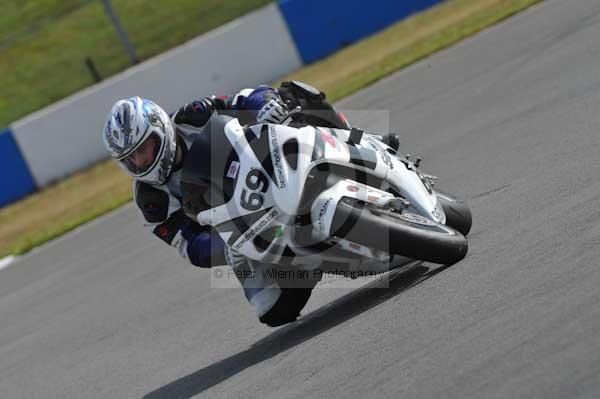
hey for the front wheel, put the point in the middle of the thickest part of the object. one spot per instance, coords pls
(406, 234)
(458, 214)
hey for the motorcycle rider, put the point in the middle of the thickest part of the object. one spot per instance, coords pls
(151, 145)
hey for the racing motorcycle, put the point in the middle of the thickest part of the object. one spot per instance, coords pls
(314, 196)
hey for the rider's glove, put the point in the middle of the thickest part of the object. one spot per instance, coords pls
(274, 111)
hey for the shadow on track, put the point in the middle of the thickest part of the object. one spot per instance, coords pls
(309, 326)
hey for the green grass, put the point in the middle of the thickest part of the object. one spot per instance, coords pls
(45, 41)
(63, 206)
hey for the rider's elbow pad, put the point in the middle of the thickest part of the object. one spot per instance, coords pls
(196, 113)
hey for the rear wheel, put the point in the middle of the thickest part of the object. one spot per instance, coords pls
(405, 234)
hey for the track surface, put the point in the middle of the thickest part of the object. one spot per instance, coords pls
(509, 118)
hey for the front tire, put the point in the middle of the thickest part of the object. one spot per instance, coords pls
(458, 214)
(405, 234)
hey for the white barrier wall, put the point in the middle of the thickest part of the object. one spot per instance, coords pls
(251, 50)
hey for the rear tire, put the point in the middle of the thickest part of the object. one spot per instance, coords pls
(458, 214)
(405, 234)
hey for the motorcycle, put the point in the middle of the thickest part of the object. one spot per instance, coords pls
(312, 196)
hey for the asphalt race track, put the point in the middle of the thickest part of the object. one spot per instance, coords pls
(510, 119)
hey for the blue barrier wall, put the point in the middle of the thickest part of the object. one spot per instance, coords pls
(14, 173)
(320, 27)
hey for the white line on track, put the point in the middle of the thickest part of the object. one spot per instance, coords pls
(5, 262)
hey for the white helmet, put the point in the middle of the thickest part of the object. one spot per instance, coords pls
(131, 123)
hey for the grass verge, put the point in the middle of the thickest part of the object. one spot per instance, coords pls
(42, 41)
(87, 194)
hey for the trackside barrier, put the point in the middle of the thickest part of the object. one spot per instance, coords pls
(321, 27)
(253, 49)
(16, 178)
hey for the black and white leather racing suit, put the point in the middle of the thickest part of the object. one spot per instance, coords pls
(161, 212)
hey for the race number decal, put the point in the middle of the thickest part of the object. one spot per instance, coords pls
(258, 184)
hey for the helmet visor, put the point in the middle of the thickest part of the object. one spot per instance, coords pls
(143, 158)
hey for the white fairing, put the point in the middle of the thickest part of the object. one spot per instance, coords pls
(323, 207)
(271, 199)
